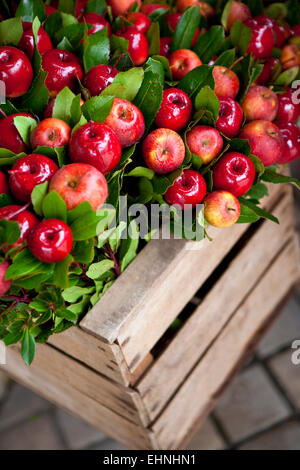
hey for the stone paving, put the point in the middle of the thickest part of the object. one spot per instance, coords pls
(260, 409)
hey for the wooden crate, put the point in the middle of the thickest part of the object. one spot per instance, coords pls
(126, 372)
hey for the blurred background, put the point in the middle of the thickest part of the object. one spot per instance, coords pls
(259, 411)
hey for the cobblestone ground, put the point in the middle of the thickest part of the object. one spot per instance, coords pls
(260, 410)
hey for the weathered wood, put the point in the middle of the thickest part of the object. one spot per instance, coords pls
(63, 394)
(141, 305)
(123, 401)
(197, 393)
(102, 357)
(171, 368)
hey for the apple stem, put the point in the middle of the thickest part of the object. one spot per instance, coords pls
(236, 62)
(3, 113)
(19, 211)
(114, 259)
(118, 60)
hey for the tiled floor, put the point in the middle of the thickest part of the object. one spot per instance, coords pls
(260, 410)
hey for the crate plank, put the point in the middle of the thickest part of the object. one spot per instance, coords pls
(62, 394)
(102, 357)
(130, 314)
(197, 395)
(171, 368)
(123, 401)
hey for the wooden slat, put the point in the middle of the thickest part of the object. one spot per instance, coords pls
(197, 394)
(141, 305)
(102, 357)
(171, 368)
(123, 401)
(63, 394)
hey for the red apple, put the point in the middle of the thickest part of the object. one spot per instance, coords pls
(119, 7)
(149, 8)
(262, 39)
(9, 136)
(182, 62)
(189, 189)
(139, 20)
(80, 182)
(206, 9)
(238, 12)
(163, 151)
(230, 117)
(295, 30)
(50, 241)
(50, 132)
(4, 285)
(290, 56)
(165, 46)
(221, 209)
(3, 183)
(127, 121)
(267, 71)
(278, 30)
(205, 142)
(227, 82)
(288, 111)
(49, 10)
(98, 23)
(265, 141)
(172, 21)
(291, 137)
(98, 78)
(15, 71)
(260, 103)
(64, 69)
(26, 220)
(29, 171)
(138, 47)
(234, 173)
(175, 111)
(96, 144)
(27, 40)
(80, 7)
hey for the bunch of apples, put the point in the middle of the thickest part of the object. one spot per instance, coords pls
(266, 118)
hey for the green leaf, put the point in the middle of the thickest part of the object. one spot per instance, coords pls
(257, 210)
(162, 182)
(85, 227)
(227, 58)
(240, 145)
(39, 306)
(186, 29)
(258, 164)
(158, 15)
(13, 338)
(293, 17)
(24, 264)
(96, 49)
(62, 105)
(141, 171)
(153, 36)
(68, 6)
(84, 251)
(9, 232)
(53, 24)
(277, 10)
(11, 31)
(96, 270)
(79, 211)
(8, 158)
(28, 347)
(271, 176)
(25, 126)
(156, 65)
(73, 33)
(149, 97)
(54, 207)
(247, 216)
(126, 84)
(61, 271)
(240, 36)
(73, 294)
(97, 108)
(65, 45)
(258, 191)
(29, 9)
(96, 6)
(81, 306)
(225, 13)
(145, 190)
(193, 81)
(5, 200)
(166, 67)
(129, 246)
(287, 77)
(36, 99)
(207, 99)
(66, 314)
(210, 44)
